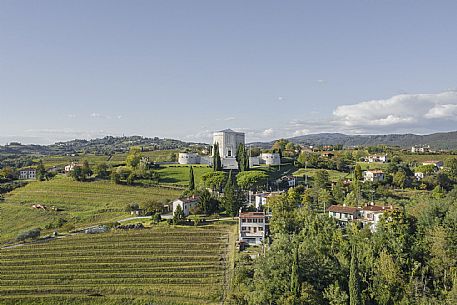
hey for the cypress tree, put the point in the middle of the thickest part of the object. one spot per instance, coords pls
(217, 163)
(354, 280)
(191, 179)
(294, 278)
(230, 200)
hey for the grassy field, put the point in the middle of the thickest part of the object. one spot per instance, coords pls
(165, 265)
(82, 203)
(118, 158)
(179, 174)
(311, 172)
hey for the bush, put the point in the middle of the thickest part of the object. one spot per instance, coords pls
(32, 234)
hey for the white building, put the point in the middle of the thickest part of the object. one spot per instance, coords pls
(188, 158)
(253, 227)
(270, 158)
(71, 166)
(419, 175)
(186, 204)
(377, 158)
(373, 175)
(420, 149)
(27, 174)
(369, 215)
(228, 141)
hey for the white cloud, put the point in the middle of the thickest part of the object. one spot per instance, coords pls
(267, 132)
(412, 111)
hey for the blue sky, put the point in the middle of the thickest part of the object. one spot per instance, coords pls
(182, 69)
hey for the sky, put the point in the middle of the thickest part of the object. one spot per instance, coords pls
(183, 69)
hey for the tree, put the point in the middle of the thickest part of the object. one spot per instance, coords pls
(101, 171)
(338, 191)
(32, 234)
(231, 201)
(41, 172)
(178, 215)
(335, 295)
(321, 180)
(451, 165)
(134, 157)
(191, 179)
(86, 171)
(354, 280)
(400, 179)
(358, 172)
(217, 163)
(214, 180)
(294, 279)
(251, 179)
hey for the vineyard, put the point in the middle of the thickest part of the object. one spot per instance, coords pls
(168, 266)
(80, 203)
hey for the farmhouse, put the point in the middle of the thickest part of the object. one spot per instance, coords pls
(253, 227)
(373, 175)
(27, 174)
(368, 215)
(377, 158)
(343, 213)
(420, 149)
(71, 166)
(186, 204)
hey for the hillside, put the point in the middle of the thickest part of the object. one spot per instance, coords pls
(442, 140)
(107, 145)
(163, 265)
(80, 204)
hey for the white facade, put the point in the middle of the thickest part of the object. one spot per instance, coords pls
(71, 166)
(270, 158)
(228, 141)
(373, 176)
(254, 161)
(186, 204)
(420, 149)
(252, 227)
(377, 158)
(188, 158)
(27, 174)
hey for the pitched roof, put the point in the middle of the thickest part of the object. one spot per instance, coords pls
(252, 214)
(375, 208)
(342, 209)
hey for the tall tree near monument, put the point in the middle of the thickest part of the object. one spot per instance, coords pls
(191, 179)
(217, 163)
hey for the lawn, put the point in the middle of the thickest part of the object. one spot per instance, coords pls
(163, 265)
(334, 175)
(81, 203)
(179, 174)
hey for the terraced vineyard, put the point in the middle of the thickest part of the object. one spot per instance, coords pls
(153, 266)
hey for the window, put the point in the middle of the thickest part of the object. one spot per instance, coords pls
(243, 228)
(243, 219)
(249, 220)
(260, 220)
(260, 229)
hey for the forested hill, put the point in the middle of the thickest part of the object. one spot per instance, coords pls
(106, 145)
(443, 140)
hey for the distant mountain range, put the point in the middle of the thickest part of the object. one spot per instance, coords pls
(441, 140)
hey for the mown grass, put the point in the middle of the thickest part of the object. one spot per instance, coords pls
(81, 203)
(164, 265)
(179, 174)
(334, 175)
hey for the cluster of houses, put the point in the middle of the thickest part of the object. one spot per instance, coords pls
(368, 215)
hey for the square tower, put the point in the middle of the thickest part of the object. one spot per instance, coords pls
(228, 141)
